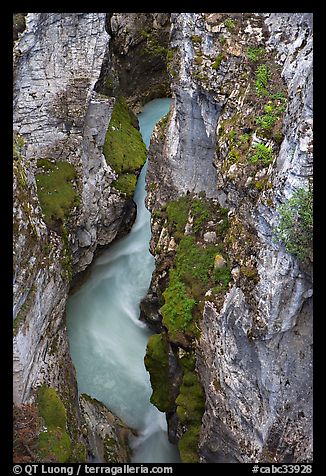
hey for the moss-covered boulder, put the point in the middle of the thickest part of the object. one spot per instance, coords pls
(124, 149)
(157, 364)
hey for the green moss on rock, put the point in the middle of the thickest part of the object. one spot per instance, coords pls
(218, 60)
(250, 272)
(78, 453)
(111, 452)
(56, 191)
(188, 445)
(178, 309)
(193, 261)
(54, 441)
(157, 364)
(190, 400)
(124, 149)
(196, 38)
(153, 46)
(190, 409)
(193, 271)
(177, 213)
(222, 277)
(126, 183)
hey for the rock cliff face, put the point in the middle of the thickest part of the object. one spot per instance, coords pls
(263, 409)
(136, 62)
(58, 119)
(254, 355)
(239, 133)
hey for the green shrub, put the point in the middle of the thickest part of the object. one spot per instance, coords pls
(272, 114)
(245, 138)
(255, 54)
(229, 24)
(56, 193)
(232, 135)
(266, 122)
(295, 228)
(262, 75)
(218, 61)
(222, 39)
(54, 441)
(263, 155)
(157, 364)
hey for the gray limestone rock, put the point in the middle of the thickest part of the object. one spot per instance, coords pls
(108, 437)
(59, 116)
(255, 353)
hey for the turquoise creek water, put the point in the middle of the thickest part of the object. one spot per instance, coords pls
(107, 339)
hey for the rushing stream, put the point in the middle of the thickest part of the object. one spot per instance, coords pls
(107, 339)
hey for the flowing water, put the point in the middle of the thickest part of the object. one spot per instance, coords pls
(107, 339)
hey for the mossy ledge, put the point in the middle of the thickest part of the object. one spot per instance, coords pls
(194, 270)
(56, 190)
(54, 442)
(124, 149)
(198, 268)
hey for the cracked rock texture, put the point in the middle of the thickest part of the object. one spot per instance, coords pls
(254, 356)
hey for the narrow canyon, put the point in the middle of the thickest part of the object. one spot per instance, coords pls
(162, 219)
